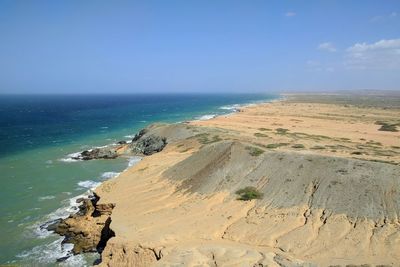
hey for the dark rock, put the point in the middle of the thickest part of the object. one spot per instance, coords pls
(63, 258)
(98, 153)
(122, 142)
(51, 226)
(149, 145)
(139, 135)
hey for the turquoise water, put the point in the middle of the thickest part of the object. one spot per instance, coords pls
(39, 182)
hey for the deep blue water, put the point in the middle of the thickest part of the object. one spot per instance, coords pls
(36, 135)
(28, 122)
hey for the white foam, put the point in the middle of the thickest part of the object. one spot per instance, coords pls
(49, 253)
(133, 161)
(71, 157)
(89, 184)
(206, 117)
(109, 175)
(129, 136)
(46, 198)
(230, 107)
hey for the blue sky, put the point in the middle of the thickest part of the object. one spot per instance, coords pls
(198, 46)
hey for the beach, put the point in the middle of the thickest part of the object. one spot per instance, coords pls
(326, 175)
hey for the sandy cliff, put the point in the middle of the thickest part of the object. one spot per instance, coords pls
(329, 179)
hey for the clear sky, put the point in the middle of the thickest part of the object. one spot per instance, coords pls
(198, 46)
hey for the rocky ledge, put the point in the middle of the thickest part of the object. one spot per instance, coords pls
(89, 229)
(97, 153)
(143, 143)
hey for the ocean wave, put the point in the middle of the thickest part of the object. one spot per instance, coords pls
(71, 157)
(49, 254)
(46, 198)
(133, 160)
(109, 175)
(206, 117)
(233, 107)
(89, 184)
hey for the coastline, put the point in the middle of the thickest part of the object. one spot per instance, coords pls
(56, 247)
(154, 181)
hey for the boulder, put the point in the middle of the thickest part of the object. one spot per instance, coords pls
(97, 153)
(149, 145)
(139, 135)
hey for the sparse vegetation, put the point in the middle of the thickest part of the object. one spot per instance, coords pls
(264, 129)
(186, 149)
(298, 146)
(318, 147)
(254, 151)
(249, 193)
(372, 142)
(387, 127)
(281, 130)
(260, 135)
(276, 145)
(204, 138)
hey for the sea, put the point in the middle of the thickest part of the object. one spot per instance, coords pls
(40, 181)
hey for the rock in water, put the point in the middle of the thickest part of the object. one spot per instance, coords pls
(149, 145)
(98, 153)
(89, 229)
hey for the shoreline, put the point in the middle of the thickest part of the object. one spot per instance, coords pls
(182, 148)
(65, 211)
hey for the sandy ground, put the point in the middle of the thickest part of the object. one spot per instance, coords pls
(321, 206)
(328, 129)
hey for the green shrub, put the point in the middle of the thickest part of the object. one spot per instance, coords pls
(298, 146)
(281, 130)
(264, 129)
(254, 151)
(204, 138)
(260, 135)
(276, 145)
(249, 193)
(318, 147)
(388, 128)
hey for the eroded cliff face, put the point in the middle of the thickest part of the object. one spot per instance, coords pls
(89, 229)
(179, 207)
(316, 210)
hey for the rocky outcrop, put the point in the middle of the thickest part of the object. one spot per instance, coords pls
(97, 153)
(89, 229)
(139, 135)
(148, 145)
(143, 143)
